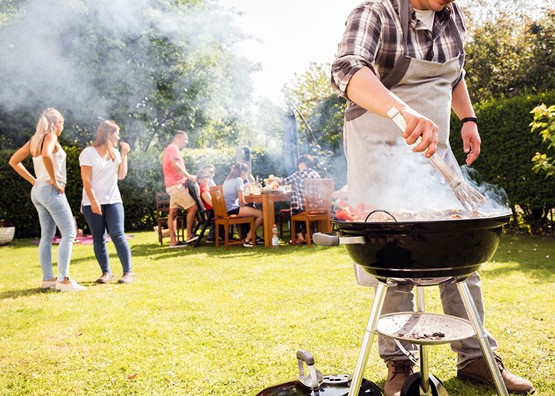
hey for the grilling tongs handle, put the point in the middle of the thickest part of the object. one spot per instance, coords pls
(439, 164)
(322, 239)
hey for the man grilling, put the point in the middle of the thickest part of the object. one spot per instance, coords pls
(404, 58)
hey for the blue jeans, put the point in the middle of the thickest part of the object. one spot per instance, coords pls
(112, 219)
(53, 210)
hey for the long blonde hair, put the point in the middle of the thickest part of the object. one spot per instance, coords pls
(103, 133)
(46, 124)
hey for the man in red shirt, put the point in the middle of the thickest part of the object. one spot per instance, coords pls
(175, 176)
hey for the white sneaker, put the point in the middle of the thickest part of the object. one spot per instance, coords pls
(72, 286)
(48, 284)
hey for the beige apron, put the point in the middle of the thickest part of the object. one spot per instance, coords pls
(382, 169)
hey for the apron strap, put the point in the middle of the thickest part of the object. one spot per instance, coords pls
(402, 64)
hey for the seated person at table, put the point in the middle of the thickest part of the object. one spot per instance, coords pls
(210, 171)
(235, 200)
(305, 163)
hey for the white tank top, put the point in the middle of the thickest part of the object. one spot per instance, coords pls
(59, 166)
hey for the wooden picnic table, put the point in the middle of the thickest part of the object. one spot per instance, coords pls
(267, 199)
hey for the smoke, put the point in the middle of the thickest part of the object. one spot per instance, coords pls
(497, 200)
(92, 58)
(399, 180)
(414, 183)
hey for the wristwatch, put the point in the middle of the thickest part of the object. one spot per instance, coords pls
(472, 119)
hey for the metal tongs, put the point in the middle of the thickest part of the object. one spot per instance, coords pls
(468, 196)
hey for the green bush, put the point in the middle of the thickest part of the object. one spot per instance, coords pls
(15, 199)
(145, 177)
(507, 149)
(137, 189)
(506, 157)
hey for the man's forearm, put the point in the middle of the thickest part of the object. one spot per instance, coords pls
(181, 169)
(367, 91)
(461, 103)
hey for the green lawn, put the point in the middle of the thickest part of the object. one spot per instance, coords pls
(210, 322)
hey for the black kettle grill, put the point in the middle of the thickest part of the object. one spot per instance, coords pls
(421, 253)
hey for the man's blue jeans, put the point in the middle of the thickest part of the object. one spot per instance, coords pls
(111, 220)
(53, 210)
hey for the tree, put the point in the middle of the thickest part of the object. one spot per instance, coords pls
(152, 65)
(510, 53)
(322, 108)
(8, 9)
(544, 124)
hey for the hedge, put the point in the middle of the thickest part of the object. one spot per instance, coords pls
(506, 154)
(507, 150)
(138, 188)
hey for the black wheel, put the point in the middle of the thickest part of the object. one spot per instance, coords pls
(369, 388)
(411, 387)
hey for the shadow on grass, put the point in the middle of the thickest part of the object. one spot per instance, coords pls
(158, 251)
(13, 294)
(534, 256)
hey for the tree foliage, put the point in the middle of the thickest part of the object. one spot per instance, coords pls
(506, 152)
(152, 65)
(322, 109)
(544, 124)
(511, 54)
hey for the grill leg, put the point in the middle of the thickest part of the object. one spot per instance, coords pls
(368, 338)
(424, 368)
(482, 338)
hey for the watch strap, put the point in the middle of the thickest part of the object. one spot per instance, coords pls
(470, 119)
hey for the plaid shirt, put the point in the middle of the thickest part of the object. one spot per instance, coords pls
(374, 38)
(297, 186)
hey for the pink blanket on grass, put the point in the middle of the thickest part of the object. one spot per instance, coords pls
(84, 240)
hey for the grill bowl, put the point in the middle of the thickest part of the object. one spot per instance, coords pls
(423, 249)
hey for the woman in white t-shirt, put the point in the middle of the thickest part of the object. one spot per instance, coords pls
(101, 167)
(48, 196)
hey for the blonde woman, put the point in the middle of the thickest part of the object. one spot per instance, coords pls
(48, 196)
(101, 167)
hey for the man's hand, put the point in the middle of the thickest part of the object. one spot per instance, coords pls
(471, 141)
(422, 127)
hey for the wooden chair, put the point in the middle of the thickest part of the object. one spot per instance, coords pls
(162, 211)
(317, 203)
(222, 218)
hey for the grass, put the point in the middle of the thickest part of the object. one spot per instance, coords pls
(210, 322)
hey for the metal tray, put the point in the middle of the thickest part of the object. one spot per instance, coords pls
(424, 328)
